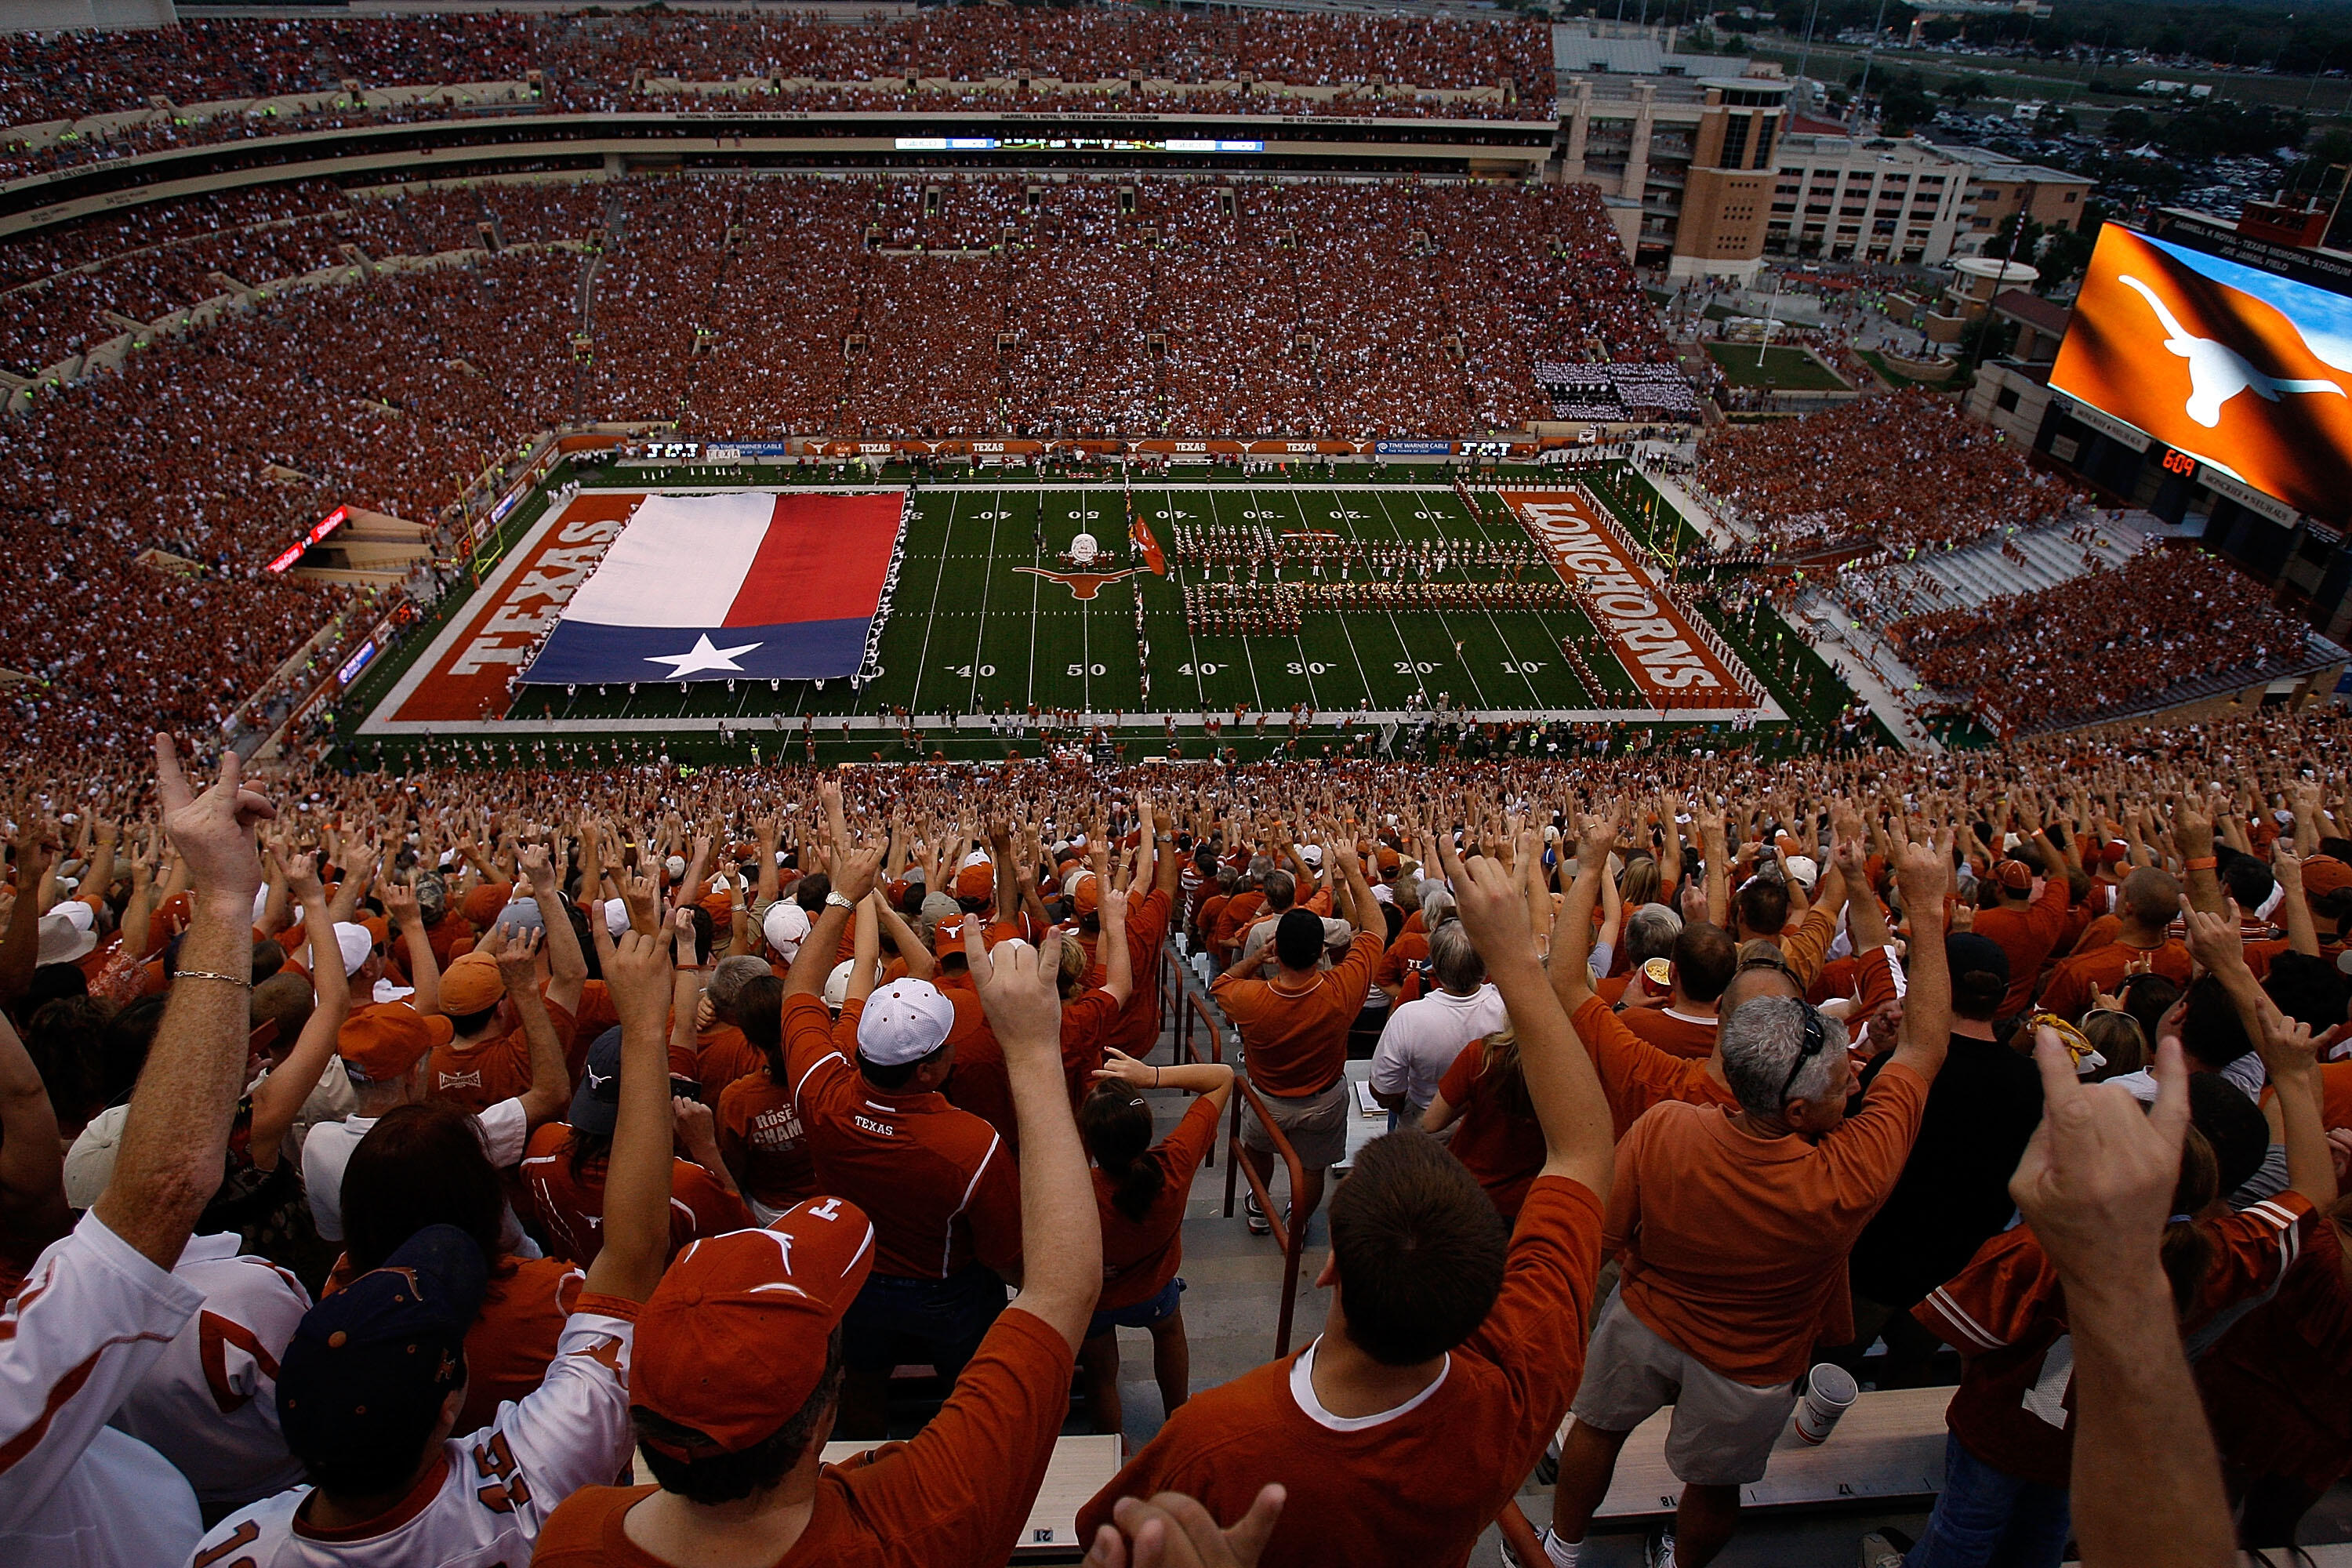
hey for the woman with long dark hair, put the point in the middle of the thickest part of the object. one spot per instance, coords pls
(1140, 1190)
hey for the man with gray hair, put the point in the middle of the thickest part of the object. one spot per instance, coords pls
(1735, 1223)
(1425, 1035)
(723, 1053)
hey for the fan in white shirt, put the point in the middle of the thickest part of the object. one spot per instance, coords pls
(1425, 1035)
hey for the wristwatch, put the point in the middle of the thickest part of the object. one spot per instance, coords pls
(839, 902)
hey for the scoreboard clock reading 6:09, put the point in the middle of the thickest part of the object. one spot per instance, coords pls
(2176, 461)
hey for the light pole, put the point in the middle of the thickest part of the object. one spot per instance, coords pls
(1868, 56)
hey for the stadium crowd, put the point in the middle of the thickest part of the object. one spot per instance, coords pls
(353, 1223)
(2100, 642)
(1237, 62)
(1907, 473)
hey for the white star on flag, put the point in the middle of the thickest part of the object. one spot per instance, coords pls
(701, 656)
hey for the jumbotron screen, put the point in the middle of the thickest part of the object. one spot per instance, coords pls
(2245, 371)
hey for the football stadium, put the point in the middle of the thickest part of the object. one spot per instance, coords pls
(1391, 782)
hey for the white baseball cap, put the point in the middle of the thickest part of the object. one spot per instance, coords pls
(786, 926)
(357, 942)
(1311, 853)
(1804, 869)
(62, 940)
(904, 1022)
(616, 917)
(836, 985)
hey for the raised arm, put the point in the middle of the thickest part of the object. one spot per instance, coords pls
(2302, 934)
(33, 1210)
(1922, 873)
(567, 966)
(20, 947)
(424, 969)
(2096, 1184)
(175, 1140)
(1718, 868)
(280, 1098)
(1561, 1084)
(1119, 962)
(550, 1080)
(1571, 929)
(865, 949)
(1060, 1282)
(637, 1175)
(921, 962)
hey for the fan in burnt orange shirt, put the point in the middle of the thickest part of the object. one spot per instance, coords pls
(1449, 1347)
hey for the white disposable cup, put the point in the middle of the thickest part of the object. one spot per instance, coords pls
(1829, 1393)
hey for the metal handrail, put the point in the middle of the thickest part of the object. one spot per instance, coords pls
(1290, 1238)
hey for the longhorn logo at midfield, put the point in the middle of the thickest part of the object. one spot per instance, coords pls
(1081, 585)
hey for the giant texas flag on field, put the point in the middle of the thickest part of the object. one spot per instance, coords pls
(751, 583)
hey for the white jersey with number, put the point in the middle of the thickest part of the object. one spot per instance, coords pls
(92, 1317)
(210, 1404)
(485, 1497)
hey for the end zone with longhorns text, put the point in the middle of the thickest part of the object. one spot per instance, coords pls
(467, 676)
(1676, 665)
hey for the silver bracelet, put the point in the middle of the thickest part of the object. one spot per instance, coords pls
(243, 980)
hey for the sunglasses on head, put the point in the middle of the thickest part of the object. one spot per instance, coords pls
(1816, 1037)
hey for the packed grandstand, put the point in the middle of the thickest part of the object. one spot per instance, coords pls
(1153, 712)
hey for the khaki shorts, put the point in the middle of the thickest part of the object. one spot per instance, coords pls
(1316, 1124)
(1723, 1430)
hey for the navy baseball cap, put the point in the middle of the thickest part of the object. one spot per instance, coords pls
(597, 1103)
(363, 1377)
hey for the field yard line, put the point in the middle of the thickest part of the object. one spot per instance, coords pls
(914, 697)
(980, 637)
(1036, 586)
(1533, 696)
(1257, 693)
(1306, 665)
(1252, 659)
(1477, 691)
(1363, 675)
(1411, 659)
(1194, 642)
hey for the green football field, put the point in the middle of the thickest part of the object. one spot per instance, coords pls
(972, 633)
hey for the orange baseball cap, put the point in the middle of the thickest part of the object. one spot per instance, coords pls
(1087, 896)
(2323, 873)
(733, 1341)
(472, 985)
(1387, 858)
(382, 1043)
(483, 904)
(976, 882)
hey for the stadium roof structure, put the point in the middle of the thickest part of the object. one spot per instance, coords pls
(1575, 51)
